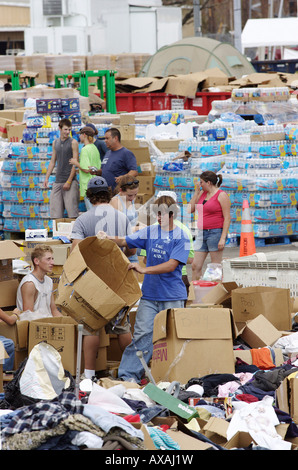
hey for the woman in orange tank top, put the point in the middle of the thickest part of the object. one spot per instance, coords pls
(213, 206)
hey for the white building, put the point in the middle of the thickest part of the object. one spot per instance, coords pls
(101, 26)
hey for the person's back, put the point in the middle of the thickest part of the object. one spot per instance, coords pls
(101, 217)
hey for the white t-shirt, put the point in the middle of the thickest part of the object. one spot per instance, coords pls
(42, 304)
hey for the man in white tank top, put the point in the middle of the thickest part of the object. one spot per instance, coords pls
(35, 291)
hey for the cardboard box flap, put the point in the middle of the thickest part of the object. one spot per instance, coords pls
(219, 293)
(160, 326)
(74, 265)
(92, 284)
(202, 323)
(9, 250)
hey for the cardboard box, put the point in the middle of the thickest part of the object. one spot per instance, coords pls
(60, 250)
(142, 198)
(139, 149)
(179, 335)
(62, 227)
(8, 252)
(59, 332)
(146, 184)
(3, 126)
(272, 302)
(239, 441)
(220, 294)
(18, 333)
(128, 132)
(269, 137)
(8, 293)
(216, 430)
(259, 332)
(96, 284)
(167, 145)
(15, 131)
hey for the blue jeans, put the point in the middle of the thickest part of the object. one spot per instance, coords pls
(207, 240)
(130, 365)
(9, 348)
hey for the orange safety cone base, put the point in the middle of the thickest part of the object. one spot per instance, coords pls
(247, 239)
(247, 244)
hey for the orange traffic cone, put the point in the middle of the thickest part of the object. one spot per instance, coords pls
(247, 240)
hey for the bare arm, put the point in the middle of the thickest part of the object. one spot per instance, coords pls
(133, 173)
(194, 200)
(29, 294)
(50, 167)
(75, 156)
(167, 267)
(9, 319)
(54, 310)
(225, 203)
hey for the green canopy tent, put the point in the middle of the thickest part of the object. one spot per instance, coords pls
(196, 54)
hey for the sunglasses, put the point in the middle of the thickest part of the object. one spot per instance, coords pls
(130, 183)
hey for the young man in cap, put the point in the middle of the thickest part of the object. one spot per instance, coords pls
(65, 191)
(102, 217)
(89, 157)
(100, 144)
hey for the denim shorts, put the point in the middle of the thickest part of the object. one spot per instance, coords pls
(207, 240)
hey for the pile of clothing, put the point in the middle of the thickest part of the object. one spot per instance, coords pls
(113, 414)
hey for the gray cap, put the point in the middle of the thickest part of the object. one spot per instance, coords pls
(97, 184)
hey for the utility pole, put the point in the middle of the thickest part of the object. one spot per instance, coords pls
(237, 25)
(197, 17)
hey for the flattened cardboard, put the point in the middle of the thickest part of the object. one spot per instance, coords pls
(180, 335)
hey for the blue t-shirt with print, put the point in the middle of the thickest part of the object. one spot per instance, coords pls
(161, 246)
(117, 163)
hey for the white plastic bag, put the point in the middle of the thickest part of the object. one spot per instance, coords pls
(213, 272)
(43, 377)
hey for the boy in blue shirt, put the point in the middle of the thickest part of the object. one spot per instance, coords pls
(167, 248)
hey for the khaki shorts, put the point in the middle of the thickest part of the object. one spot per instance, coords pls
(115, 327)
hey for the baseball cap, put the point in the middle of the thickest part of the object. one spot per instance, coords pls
(88, 131)
(92, 126)
(172, 194)
(97, 184)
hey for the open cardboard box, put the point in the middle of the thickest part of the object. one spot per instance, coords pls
(96, 283)
(259, 332)
(272, 302)
(61, 333)
(192, 342)
(218, 295)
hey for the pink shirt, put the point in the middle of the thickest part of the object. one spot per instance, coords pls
(210, 214)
